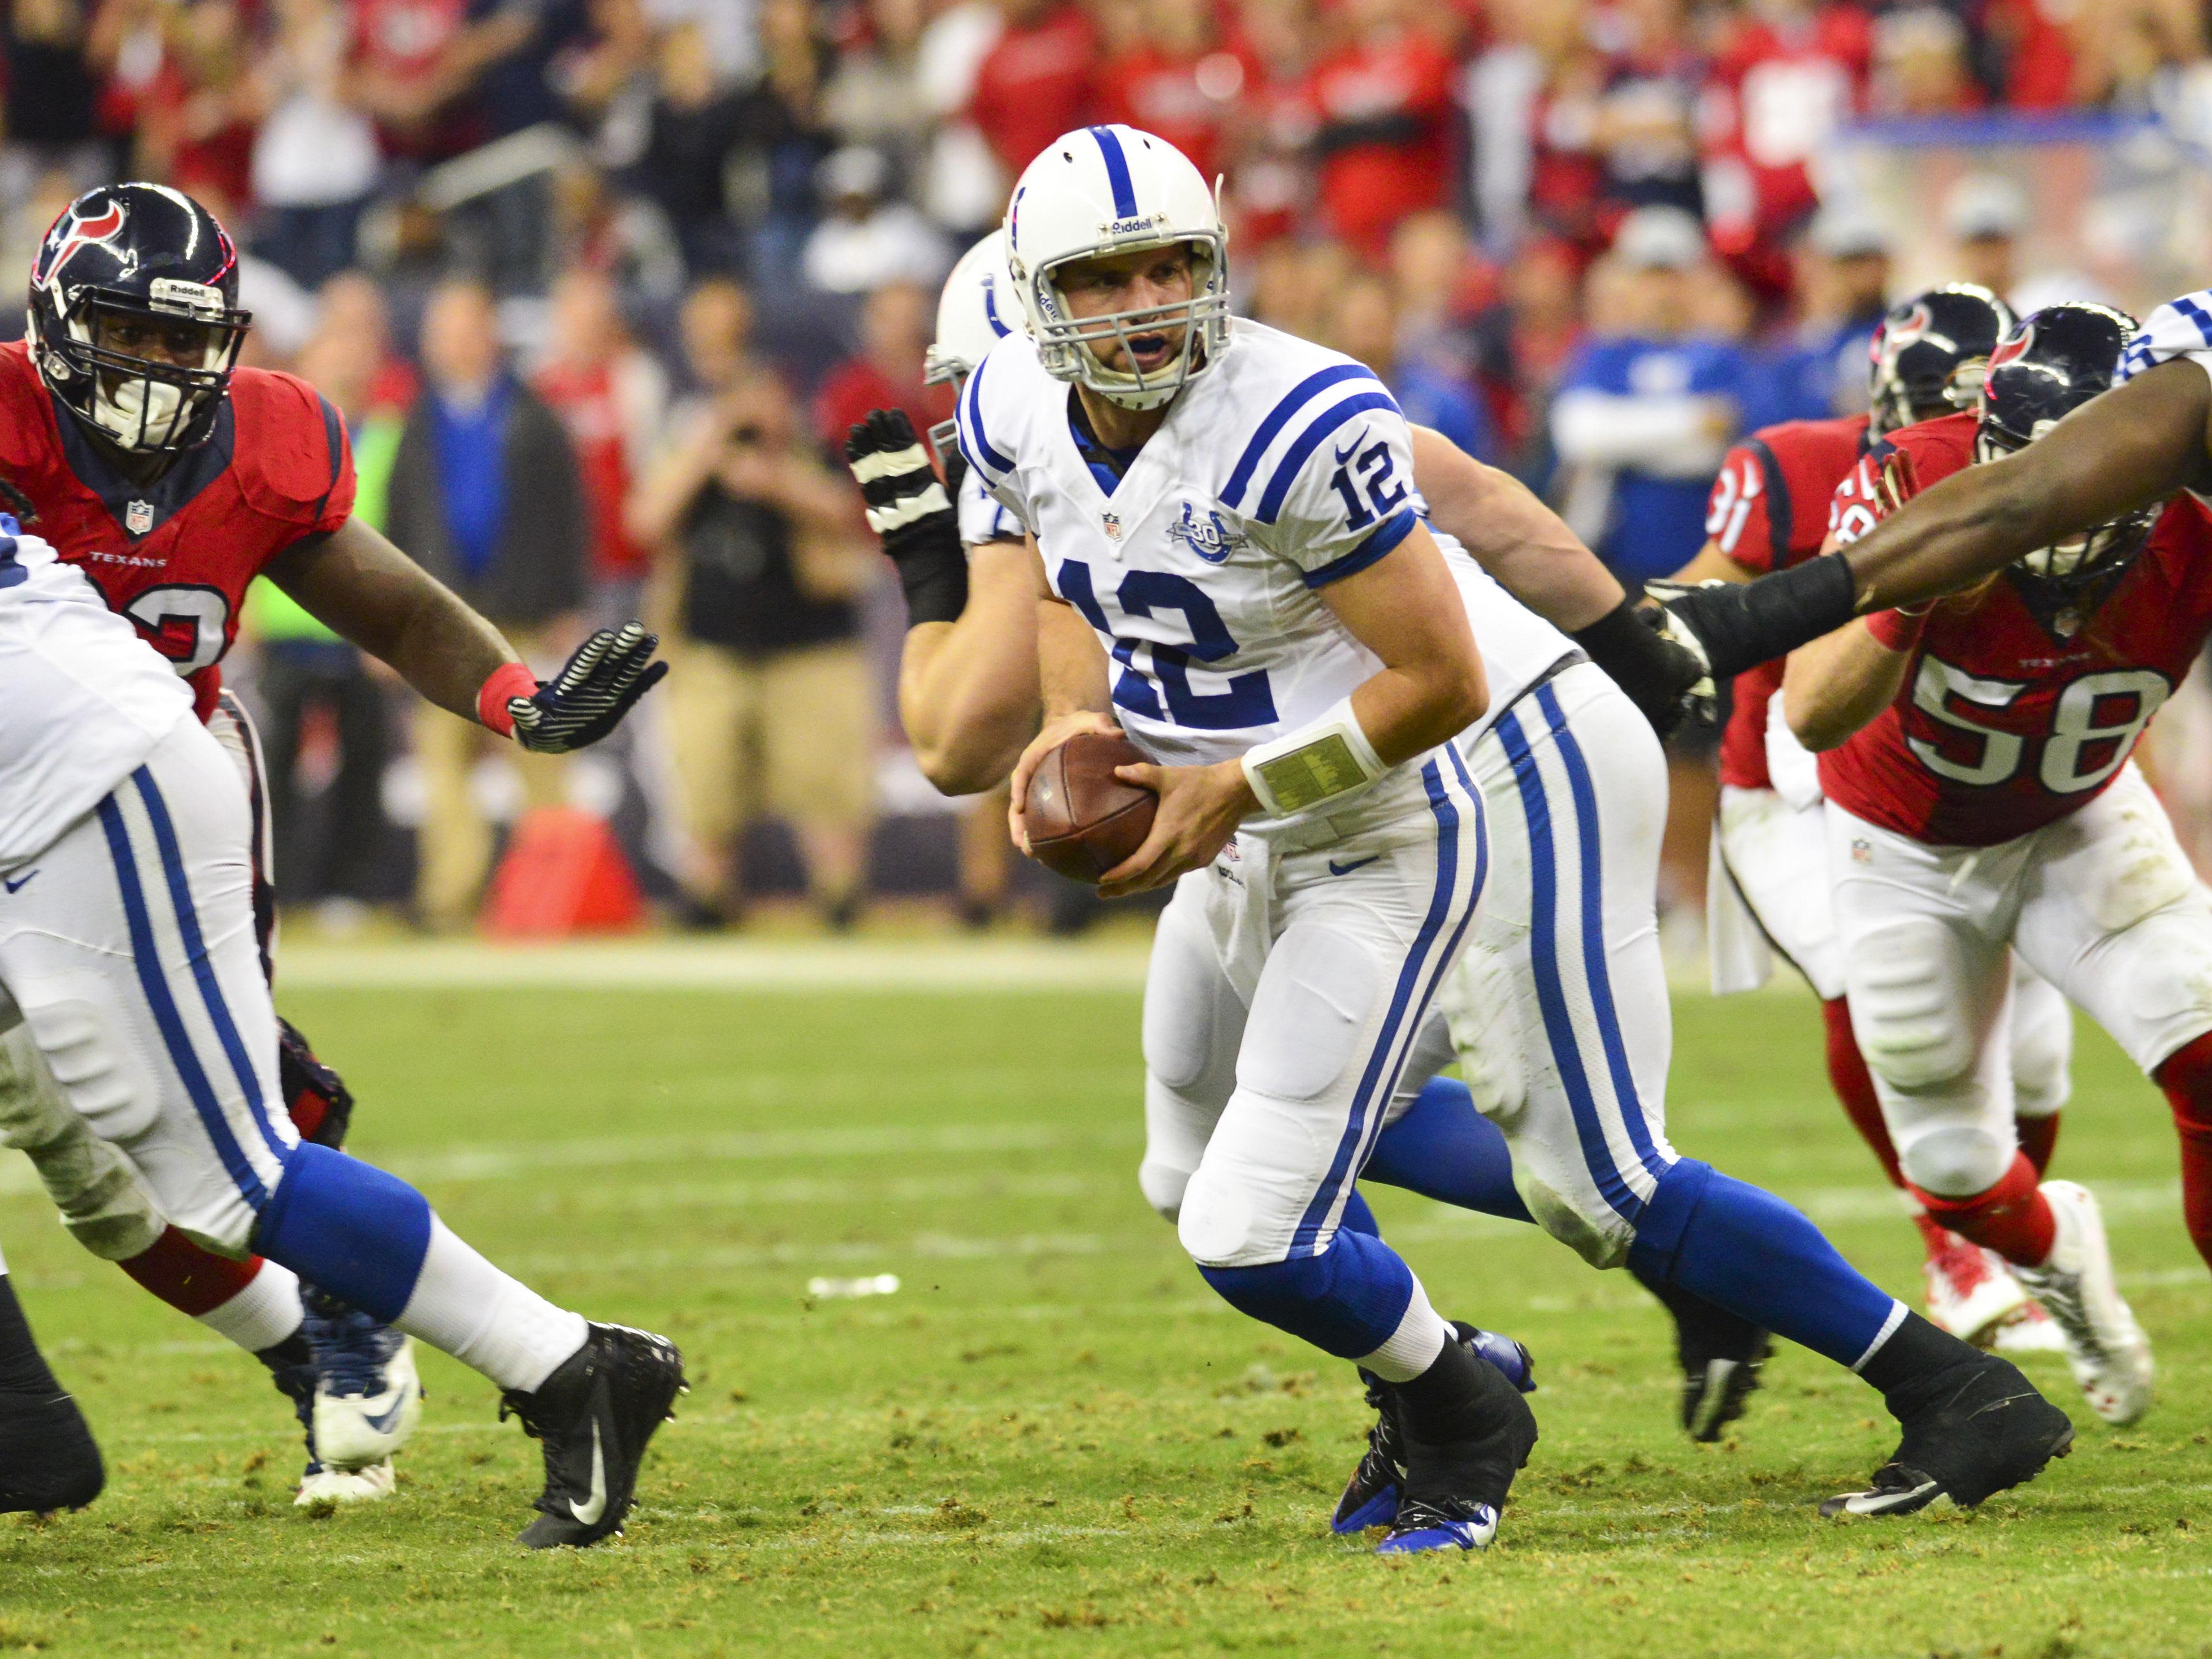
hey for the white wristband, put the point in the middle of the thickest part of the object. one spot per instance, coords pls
(1323, 761)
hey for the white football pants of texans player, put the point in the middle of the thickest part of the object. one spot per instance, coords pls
(127, 939)
(1772, 855)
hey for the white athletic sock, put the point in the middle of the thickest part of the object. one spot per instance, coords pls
(262, 1315)
(488, 1319)
(1414, 1345)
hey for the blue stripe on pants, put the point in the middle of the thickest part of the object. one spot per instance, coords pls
(1544, 958)
(1381, 1068)
(1450, 953)
(155, 985)
(1596, 968)
(188, 929)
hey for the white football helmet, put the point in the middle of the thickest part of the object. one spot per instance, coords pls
(978, 309)
(1112, 190)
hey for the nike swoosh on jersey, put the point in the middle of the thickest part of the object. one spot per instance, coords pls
(12, 882)
(588, 1514)
(1336, 869)
(1344, 453)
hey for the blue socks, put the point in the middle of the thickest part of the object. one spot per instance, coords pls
(347, 1227)
(1443, 1149)
(1749, 1252)
(1348, 1301)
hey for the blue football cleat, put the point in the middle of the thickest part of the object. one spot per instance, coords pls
(1370, 1496)
(1424, 1526)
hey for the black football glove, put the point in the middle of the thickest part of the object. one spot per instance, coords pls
(588, 697)
(1666, 680)
(907, 507)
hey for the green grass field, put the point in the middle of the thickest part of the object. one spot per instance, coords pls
(1053, 1439)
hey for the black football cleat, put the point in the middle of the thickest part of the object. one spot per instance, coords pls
(1971, 1430)
(48, 1459)
(1370, 1496)
(1465, 1429)
(1720, 1353)
(594, 1415)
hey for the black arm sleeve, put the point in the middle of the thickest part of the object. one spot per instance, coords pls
(1743, 624)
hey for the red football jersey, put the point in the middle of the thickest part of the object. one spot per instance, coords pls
(1769, 510)
(2003, 724)
(175, 555)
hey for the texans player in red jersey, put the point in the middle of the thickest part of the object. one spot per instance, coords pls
(1981, 797)
(131, 441)
(1769, 510)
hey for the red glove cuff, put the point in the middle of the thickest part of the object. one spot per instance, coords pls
(509, 679)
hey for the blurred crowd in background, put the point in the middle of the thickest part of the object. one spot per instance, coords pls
(599, 284)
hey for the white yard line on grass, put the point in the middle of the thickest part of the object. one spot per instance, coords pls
(661, 964)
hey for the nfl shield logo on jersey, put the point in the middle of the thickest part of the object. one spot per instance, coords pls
(138, 518)
(1111, 523)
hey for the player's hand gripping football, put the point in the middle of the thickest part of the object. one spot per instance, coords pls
(1057, 731)
(1200, 808)
(588, 697)
(906, 504)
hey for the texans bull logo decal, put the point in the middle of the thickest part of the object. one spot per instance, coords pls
(65, 239)
(2012, 350)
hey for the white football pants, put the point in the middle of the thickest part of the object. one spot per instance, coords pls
(1559, 1009)
(1289, 982)
(1776, 854)
(2102, 903)
(130, 945)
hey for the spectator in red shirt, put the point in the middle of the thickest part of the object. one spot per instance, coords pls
(1273, 123)
(1383, 106)
(1037, 81)
(612, 396)
(896, 322)
(1177, 80)
(1787, 74)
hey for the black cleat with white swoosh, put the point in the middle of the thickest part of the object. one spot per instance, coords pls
(594, 1416)
(1972, 1430)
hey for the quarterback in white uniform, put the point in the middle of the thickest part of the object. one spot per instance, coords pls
(127, 944)
(1298, 667)
(1195, 502)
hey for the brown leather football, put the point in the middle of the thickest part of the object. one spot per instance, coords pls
(1082, 819)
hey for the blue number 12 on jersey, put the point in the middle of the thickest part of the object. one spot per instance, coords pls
(1245, 702)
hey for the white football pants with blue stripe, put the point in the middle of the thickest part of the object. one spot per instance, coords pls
(129, 944)
(1559, 1009)
(1289, 982)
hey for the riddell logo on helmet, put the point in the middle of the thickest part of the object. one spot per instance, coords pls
(1122, 226)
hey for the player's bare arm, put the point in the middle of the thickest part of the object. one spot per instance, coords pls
(2123, 451)
(1532, 554)
(1711, 565)
(1513, 535)
(2134, 446)
(968, 689)
(1406, 609)
(1835, 685)
(968, 674)
(357, 583)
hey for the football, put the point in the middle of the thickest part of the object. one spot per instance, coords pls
(1082, 819)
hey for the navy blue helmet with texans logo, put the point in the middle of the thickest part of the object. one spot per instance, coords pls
(134, 318)
(1927, 352)
(2054, 360)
